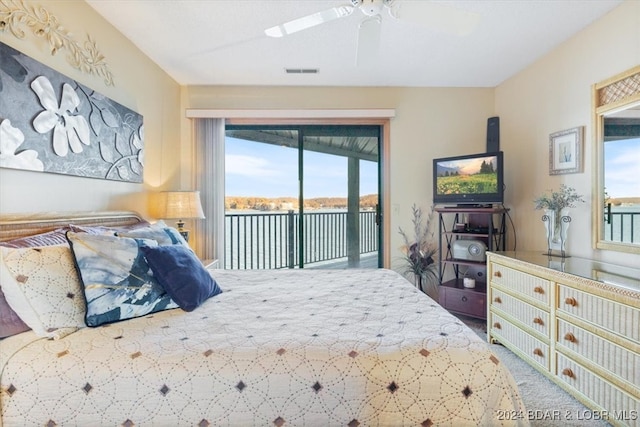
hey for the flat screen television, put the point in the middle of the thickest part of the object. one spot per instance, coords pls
(473, 179)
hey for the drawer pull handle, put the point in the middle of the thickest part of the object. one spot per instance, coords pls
(497, 325)
(538, 352)
(571, 301)
(497, 300)
(497, 274)
(538, 290)
(568, 372)
(538, 321)
(570, 337)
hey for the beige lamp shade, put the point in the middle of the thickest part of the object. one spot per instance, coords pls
(178, 205)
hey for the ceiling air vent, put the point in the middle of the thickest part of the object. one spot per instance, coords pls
(301, 70)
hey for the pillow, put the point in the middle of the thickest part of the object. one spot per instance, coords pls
(41, 285)
(10, 322)
(50, 238)
(181, 274)
(159, 232)
(101, 229)
(116, 279)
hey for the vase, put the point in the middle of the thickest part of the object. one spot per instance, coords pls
(556, 224)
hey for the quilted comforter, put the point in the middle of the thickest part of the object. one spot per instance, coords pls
(276, 348)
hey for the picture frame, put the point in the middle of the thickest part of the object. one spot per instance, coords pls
(565, 151)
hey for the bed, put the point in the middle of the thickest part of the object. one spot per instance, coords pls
(273, 348)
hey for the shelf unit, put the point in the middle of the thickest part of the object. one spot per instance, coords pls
(487, 225)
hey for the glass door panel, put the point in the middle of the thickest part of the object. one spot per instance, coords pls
(261, 201)
(340, 187)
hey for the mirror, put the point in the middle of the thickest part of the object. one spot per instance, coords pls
(616, 207)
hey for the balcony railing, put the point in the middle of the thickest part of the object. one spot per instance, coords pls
(271, 240)
(622, 226)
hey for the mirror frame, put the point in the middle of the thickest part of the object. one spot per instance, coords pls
(609, 96)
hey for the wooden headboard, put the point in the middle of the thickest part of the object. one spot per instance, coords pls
(13, 226)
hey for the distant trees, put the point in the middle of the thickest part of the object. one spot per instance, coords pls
(285, 203)
(487, 167)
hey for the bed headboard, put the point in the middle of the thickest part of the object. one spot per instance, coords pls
(13, 226)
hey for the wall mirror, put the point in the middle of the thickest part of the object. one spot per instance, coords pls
(616, 207)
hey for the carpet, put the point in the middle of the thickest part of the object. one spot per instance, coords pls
(547, 404)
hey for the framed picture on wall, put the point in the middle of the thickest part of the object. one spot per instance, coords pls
(565, 151)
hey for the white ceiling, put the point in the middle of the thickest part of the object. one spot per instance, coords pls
(222, 42)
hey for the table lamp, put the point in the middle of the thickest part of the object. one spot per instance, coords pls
(180, 205)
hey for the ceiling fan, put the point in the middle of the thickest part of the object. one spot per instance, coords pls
(436, 16)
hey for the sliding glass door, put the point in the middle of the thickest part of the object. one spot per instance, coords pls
(302, 196)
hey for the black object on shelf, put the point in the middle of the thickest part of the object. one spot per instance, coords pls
(465, 234)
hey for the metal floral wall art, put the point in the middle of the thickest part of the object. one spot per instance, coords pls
(15, 16)
(51, 123)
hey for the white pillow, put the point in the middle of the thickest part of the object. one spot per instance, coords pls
(42, 286)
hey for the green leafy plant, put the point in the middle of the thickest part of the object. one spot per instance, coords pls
(567, 197)
(419, 248)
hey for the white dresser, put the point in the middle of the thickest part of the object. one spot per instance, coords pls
(575, 320)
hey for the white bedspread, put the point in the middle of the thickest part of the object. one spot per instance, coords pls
(284, 348)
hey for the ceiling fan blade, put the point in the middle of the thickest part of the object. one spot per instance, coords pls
(439, 17)
(309, 21)
(368, 41)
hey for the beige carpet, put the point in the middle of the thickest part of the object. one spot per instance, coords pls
(547, 404)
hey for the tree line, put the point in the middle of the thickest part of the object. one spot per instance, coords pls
(285, 203)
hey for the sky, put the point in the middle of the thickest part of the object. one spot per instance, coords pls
(621, 160)
(264, 170)
(255, 169)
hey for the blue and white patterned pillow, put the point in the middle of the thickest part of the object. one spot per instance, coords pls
(159, 232)
(117, 281)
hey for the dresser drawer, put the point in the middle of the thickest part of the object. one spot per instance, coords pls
(621, 408)
(464, 301)
(620, 361)
(536, 288)
(615, 317)
(529, 315)
(532, 349)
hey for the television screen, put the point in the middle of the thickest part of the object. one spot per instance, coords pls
(474, 179)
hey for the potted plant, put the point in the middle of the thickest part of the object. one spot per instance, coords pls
(556, 205)
(419, 250)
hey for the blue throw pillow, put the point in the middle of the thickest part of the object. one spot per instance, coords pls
(117, 281)
(181, 274)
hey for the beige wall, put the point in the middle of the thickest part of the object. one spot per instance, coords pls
(429, 123)
(555, 94)
(550, 95)
(139, 85)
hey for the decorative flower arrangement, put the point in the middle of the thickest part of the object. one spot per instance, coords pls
(567, 197)
(419, 248)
